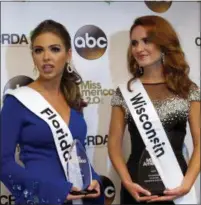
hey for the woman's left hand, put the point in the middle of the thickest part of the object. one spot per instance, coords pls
(94, 186)
(171, 194)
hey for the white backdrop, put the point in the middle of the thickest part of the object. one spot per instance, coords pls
(101, 75)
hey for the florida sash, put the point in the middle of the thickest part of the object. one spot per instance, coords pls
(63, 139)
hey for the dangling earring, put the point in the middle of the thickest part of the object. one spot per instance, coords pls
(69, 68)
(140, 70)
(163, 58)
(78, 80)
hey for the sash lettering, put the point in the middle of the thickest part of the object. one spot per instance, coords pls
(139, 105)
(64, 146)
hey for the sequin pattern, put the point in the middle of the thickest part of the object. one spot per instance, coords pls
(29, 196)
(168, 109)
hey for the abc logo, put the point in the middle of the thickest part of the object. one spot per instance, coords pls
(109, 190)
(90, 42)
(198, 41)
(158, 6)
(17, 81)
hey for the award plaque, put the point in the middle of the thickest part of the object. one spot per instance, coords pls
(79, 169)
(148, 176)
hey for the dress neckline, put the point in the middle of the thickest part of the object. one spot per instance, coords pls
(70, 109)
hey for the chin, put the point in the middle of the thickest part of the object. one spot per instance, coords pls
(146, 64)
(49, 76)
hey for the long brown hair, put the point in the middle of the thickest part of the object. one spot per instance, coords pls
(69, 81)
(176, 69)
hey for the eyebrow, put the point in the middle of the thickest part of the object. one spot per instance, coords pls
(38, 46)
(140, 39)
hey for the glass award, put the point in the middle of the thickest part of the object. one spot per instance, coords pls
(148, 176)
(79, 169)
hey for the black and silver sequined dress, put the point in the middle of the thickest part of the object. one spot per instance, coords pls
(173, 112)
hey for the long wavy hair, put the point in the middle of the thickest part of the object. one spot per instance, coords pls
(69, 81)
(176, 69)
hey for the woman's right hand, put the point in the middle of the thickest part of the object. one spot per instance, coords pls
(71, 197)
(135, 190)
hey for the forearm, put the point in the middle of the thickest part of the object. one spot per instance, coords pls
(116, 156)
(193, 168)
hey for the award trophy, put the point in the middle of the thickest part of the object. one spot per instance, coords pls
(79, 169)
(148, 176)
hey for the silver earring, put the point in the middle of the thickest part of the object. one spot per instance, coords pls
(78, 81)
(140, 70)
(69, 68)
(163, 58)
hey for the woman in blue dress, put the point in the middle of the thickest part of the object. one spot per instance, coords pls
(42, 179)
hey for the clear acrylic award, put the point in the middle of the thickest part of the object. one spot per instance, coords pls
(79, 169)
(148, 176)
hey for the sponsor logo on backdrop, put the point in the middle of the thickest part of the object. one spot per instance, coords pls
(7, 200)
(198, 41)
(96, 140)
(90, 42)
(93, 92)
(158, 6)
(17, 81)
(109, 190)
(14, 39)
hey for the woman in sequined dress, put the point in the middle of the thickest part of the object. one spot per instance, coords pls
(42, 179)
(156, 58)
